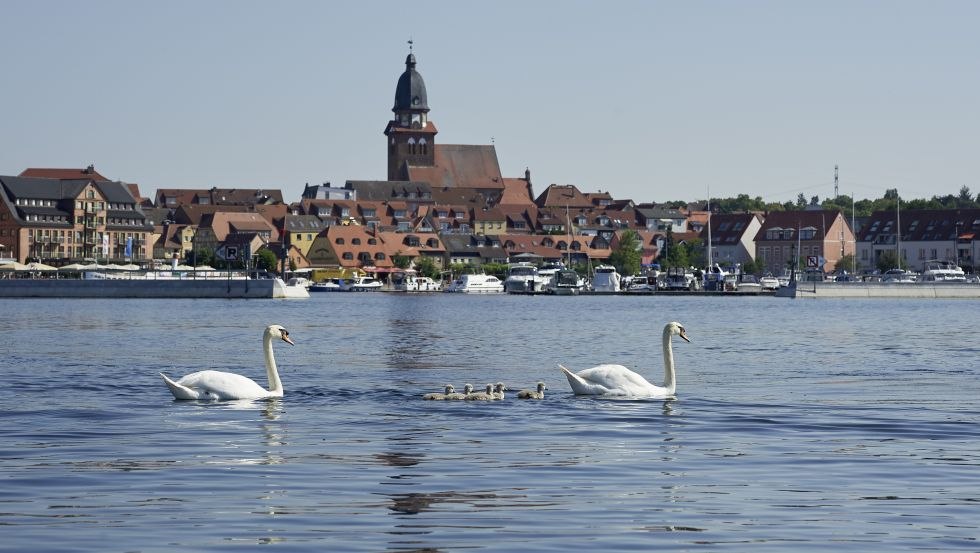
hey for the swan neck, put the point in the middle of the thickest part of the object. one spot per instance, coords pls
(275, 385)
(669, 381)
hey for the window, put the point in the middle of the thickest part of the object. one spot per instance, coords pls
(355, 241)
(339, 241)
(348, 256)
(379, 256)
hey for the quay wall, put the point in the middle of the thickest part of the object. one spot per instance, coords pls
(949, 290)
(110, 288)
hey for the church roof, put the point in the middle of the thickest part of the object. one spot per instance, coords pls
(410, 92)
(461, 165)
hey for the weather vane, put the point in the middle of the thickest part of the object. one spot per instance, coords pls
(410, 44)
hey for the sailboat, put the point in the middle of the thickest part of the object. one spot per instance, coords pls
(566, 281)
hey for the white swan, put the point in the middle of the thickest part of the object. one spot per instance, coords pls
(617, 380)
(224, 386)
(538, 393)
(440, 396)
(498, 391)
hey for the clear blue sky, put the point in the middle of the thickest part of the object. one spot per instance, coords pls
(648, 100)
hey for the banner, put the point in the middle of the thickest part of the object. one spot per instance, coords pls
(129, 246)
(105, 245)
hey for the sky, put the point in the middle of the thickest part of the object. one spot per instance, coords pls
(646, 100)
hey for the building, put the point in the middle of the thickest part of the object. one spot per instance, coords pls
(819, 238)
(61, 221)
(732, 237)
(926, 234)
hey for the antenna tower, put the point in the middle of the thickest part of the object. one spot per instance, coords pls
(835, 183)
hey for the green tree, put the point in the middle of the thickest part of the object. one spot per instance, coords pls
(627, 257)
(753, 266)
(426, 266)
(847, 263)
(401, 261)
(889, 260)
(265, 260)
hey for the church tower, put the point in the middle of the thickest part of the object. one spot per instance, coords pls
(411, 136)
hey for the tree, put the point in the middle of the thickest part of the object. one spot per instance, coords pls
(626, 257)
(401, 261)
(426, 266)
(265, 260)
(753, 267)
(847, 263)
(801, 201)
(888, 260)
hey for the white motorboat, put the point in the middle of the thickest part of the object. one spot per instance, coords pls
(941, 271)
(523, 278)
(332, 285)
(606, 279)
(361, 284)
(476, 284)
(297, 287)
(412, 282)
(641, 285)
(898, 276)
(748, 283)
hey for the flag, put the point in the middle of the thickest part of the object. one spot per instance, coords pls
(129, 246)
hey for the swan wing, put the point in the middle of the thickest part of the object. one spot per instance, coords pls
(610, 380)
(221, 385)
(179, 391)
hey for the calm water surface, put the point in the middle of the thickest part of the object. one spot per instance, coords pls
(798, 425)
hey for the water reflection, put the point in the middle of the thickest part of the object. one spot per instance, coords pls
(415, 503)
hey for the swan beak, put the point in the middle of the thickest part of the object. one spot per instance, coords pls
(287, 339)
(683, 334)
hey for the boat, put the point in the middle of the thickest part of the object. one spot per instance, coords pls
(679, 278)
(361, 284)
(714, 278)
(523, 278)
(410, 281)
(476, 284)
(748, 283)
(605, 279)
(548, 270)
(770, 283)
(935, 270)
(641, 285)
(566, 282)
(331, 285)
(898, 276)
(297, 287)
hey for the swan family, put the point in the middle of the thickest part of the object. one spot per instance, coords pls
(601, 380)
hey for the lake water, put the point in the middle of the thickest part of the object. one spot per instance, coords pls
(798, 425)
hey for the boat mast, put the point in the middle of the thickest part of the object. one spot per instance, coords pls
(710, 259)
(898, 232)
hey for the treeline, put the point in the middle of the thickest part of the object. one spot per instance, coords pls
(862, 208)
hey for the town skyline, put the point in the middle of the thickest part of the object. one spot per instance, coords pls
(672, 102)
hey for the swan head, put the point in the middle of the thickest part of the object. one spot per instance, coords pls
(467, 388)
(277, 331)
(676, 328)
(541, 387)
(450, 389)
